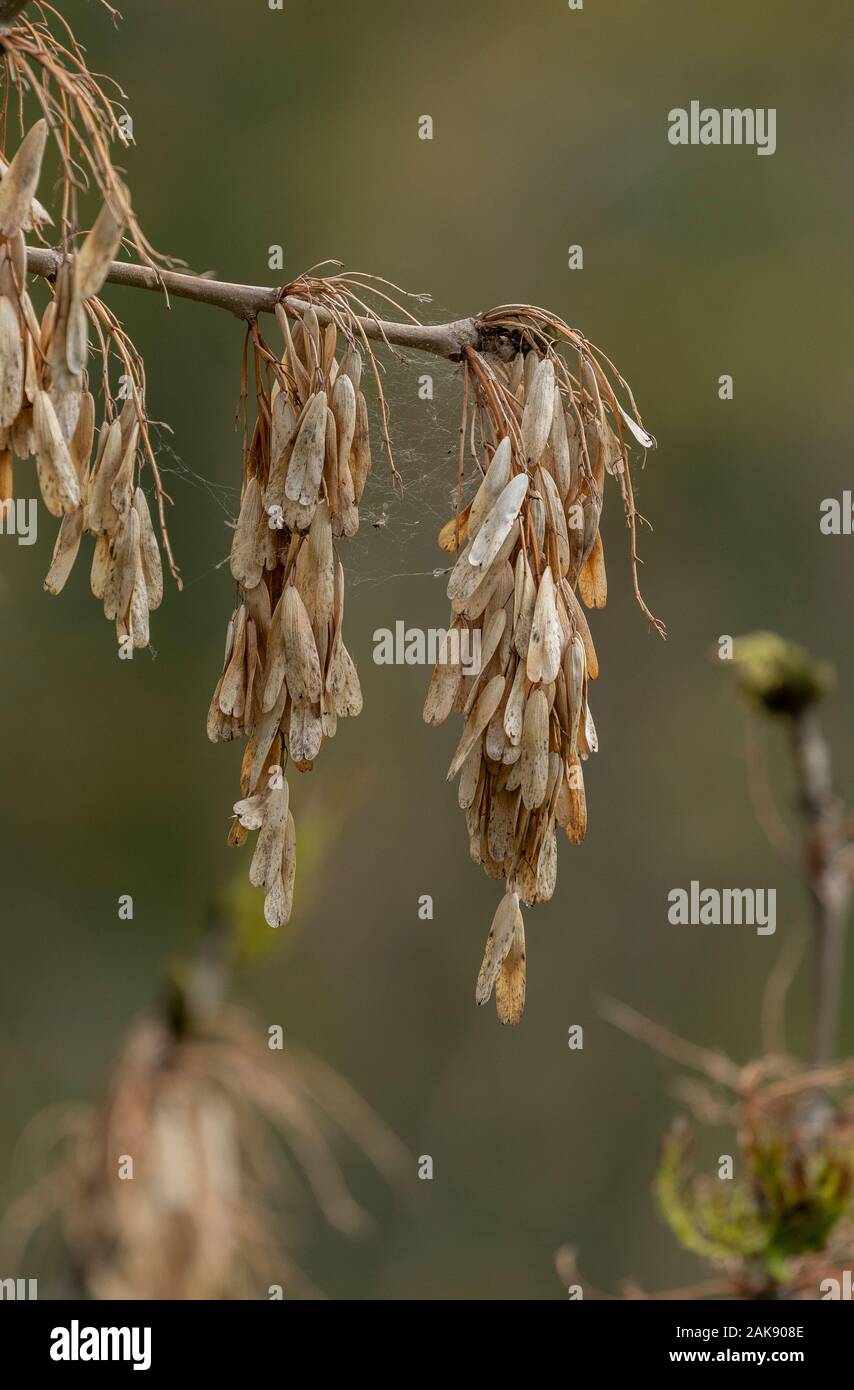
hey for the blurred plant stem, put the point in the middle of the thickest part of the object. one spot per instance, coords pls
(784, 681)
(827, 875)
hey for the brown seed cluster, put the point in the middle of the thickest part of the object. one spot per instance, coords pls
(48, 413)
(530, 544)
(227, 1137)
(287, 677)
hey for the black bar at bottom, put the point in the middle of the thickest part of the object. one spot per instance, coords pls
(251, 1339)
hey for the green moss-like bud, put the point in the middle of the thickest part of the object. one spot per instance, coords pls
(779, 676)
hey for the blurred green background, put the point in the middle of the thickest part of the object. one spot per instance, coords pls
(256, 127)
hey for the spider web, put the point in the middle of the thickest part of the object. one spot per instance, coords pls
(397, 528)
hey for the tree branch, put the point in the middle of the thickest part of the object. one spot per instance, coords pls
(247, 301)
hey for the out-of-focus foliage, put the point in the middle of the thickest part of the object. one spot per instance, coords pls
(790, 1198)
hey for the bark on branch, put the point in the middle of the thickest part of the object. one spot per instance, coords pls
(247, 301)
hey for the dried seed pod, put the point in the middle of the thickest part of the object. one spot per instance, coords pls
(360, 452)
(560, 462)
(275, 664)
(137, 620)
(495, 480)
(546, 642)
(343, 686)
(289, 868)
(305, 733)
(539, 411)
(455, 532)
(12, 359)
(444, 684)
(69, 339)
(510, 984)
(97, 252)
(331, 470)
(535, 750)
(264, 736)
(576, 826)
(485, 706)
(589, 375)
(497, 525)
(302, 664)
(267, 860)
(347, 520)
(592, 580)
(232, 695)
(20, 181)
(65, 551)
(247, 565)
(57, 478)
(100, 566)
(122, 571)
(501, 825)
(474, 600)
(81, 441)
(514, 711)
(498, 944)
(577, 614)
(122, 489)
(524, 602)
(471, 777)
(258, 603)
(575, 672)
(152, 565)
(7, 485)
(344, 411)
(558, 538)
(492, 633)
(101, 516)
(283, 433)
(305, 469)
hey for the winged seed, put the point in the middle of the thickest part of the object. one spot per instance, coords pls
(498, 523)
(498, 944)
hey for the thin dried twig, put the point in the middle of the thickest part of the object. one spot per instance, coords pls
(776, 991)
(715, 1065)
